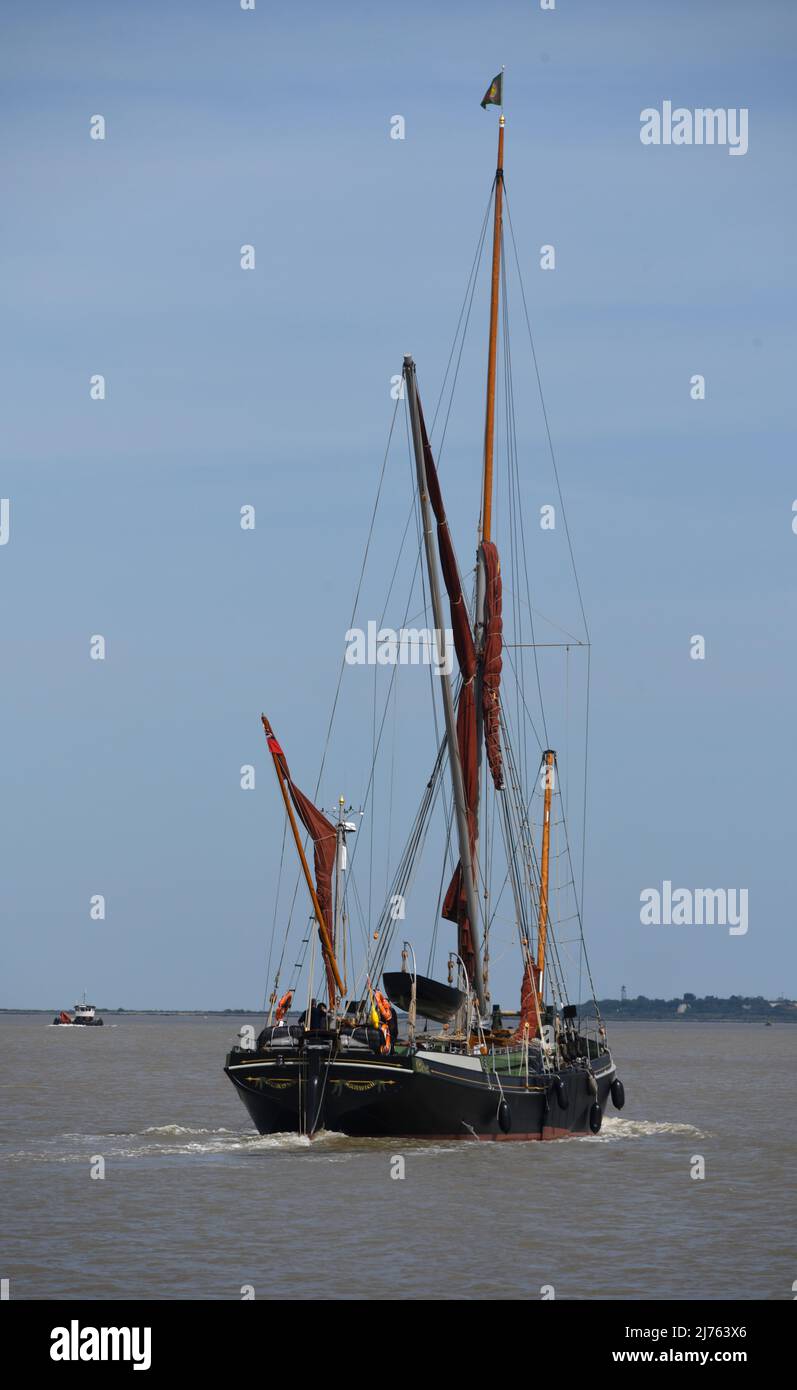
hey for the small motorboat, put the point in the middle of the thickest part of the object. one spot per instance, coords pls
(84, 1014)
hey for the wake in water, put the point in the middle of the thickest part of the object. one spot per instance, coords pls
(614, 1128)
(175, 1140)
(182, 1129)
(164, 1141)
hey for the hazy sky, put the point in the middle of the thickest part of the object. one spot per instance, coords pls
(271, 387)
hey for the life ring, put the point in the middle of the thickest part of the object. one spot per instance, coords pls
(284, 1005)
(618, 1093)
(388, 1043)
(595, 1117)
(504, 1116)
(561, 1093)
(384, 1007)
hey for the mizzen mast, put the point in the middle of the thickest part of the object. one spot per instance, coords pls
(549, 764)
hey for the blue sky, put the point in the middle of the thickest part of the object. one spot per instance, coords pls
(272, 387)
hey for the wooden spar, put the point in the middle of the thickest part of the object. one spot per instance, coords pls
(489, 422)
(549, 763)
(339, 844)
(485, 527)
(319, 916)
(454, 763)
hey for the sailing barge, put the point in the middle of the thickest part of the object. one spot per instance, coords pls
(403, 1054)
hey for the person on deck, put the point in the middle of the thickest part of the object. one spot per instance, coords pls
(318, 1017)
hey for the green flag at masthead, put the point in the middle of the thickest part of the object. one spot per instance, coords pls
(494, 96)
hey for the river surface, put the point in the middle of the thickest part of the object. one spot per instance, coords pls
(194, 1204)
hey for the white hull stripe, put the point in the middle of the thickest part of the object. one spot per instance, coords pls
(442, 1069)
(287, 1061)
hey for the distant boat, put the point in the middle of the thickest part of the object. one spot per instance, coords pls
(84, 1015)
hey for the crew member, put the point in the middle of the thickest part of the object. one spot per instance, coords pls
(317, 1015)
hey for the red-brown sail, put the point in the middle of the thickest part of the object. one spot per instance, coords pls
(529, 994)
(455, 907)
(324, 837)
(460, 618)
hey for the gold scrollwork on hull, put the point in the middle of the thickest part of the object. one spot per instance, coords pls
(339, 1086)
(274, 1085)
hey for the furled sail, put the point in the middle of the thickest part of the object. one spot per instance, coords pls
(455, 907)
(324, 837)
(529, 997)
(492, 661)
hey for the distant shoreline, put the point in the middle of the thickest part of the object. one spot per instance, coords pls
(154, 1013)
(625, 1014)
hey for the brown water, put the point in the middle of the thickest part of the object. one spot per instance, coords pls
(195, 1205)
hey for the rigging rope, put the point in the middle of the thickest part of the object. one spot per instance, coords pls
(567, 534)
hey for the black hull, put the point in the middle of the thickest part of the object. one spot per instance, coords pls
(427, 1096)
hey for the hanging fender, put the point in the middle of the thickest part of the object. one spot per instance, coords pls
(561, 1093)
(504, 1116)
(595, 1118)
(618, 1093)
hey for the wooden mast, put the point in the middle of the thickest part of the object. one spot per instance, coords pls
(340, 850)
(489, 422)
(485, 521)
(326, 944)
(548, 762)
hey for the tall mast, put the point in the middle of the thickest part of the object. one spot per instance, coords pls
(460, 803)
(485, 521)
(489, 421)
(549, 760)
